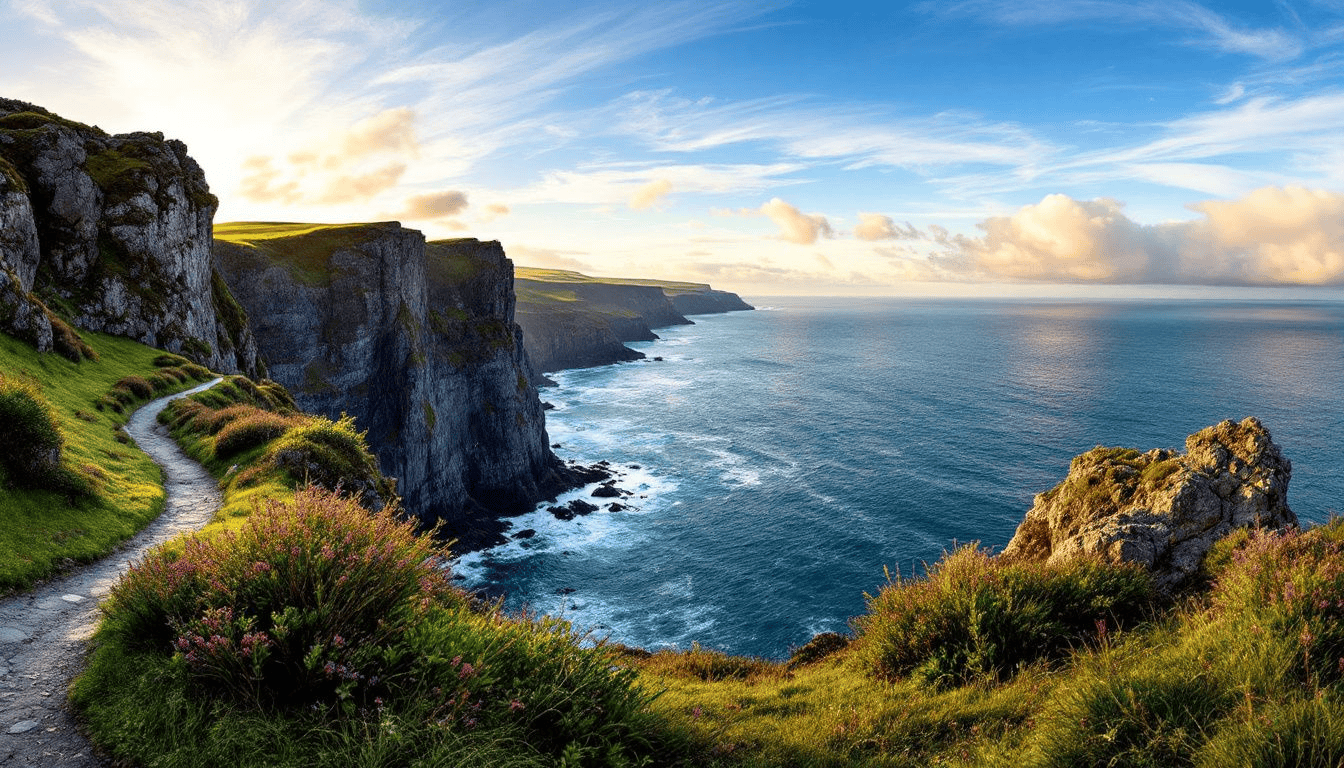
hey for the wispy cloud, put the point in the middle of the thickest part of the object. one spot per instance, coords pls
(1206, 27)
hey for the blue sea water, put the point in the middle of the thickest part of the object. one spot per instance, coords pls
(786, 455)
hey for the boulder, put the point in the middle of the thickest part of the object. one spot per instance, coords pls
(1160, 509)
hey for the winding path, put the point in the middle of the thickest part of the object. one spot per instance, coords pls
(43, 632)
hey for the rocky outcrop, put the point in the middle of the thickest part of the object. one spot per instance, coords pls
(1160, 509)
(571, 320)
(418, 343)
(114, 233)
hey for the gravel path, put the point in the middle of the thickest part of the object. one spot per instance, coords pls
(43, 632)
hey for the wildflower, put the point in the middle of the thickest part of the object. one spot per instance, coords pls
(515, 705)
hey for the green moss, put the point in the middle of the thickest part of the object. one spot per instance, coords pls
(38, 118)
(431, 418)
(12, 173)
(197, 348)
(314, 379)
(117, 173)
(227, 309)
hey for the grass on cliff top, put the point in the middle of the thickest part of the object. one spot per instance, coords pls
(40, 529)
(567, 276)
(305, 249)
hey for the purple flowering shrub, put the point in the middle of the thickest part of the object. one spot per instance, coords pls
(308, 601)
(1291, 584)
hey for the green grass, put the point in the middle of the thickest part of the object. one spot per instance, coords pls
(41, 529)
(566, 276)
(304, 249)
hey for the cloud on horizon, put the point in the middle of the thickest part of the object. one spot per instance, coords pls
(1273, 236)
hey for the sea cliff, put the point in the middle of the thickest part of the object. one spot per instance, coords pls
(571, 320)
(416, 341)
(114, 234)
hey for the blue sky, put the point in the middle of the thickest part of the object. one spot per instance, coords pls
(1064, 147)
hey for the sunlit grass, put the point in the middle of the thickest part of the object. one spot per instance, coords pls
(41, 529)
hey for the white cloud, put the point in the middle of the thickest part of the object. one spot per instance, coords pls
(1272, 236)
(794, 225)
(875, 226)
(622, 183)
(649, 194)
(435, 205)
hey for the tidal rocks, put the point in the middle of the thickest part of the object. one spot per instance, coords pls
(573, 509)
(1160, 509)
(115, 233)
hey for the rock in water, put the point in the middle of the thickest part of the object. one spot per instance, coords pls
(1160, 509)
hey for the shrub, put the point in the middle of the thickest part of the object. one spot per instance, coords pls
(137, 386)
(333, 455)
(169, 360)
(248, 432)
(974, 617)
(1291, 584)
(486, 670)
(30, 446)
(67, 342)
(307, 602)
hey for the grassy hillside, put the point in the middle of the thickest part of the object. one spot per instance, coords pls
(304, 249)
(566, 276)
(106, 489)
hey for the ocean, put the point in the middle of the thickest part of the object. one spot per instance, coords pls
(780, 459)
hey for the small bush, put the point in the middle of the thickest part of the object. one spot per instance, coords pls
(252, 431)
(973, 617)
(169, 360)
(333, 455)
(30, 441)
(197, 372)
(67, 342)
(1291, 584)
(137, 386)
(305, 603)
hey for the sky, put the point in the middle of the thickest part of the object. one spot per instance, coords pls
(973, 147)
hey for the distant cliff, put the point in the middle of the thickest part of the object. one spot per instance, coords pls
(571, 320)
(113, 233)
(417, 342)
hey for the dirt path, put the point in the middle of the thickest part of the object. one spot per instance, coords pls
(43, 632)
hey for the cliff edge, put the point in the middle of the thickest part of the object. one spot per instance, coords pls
(114, 234)
(417, 342)
(572, 320)
(1160, 509)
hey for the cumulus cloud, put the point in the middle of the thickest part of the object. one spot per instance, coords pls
(357, 187)
(435, 205)
(494, 211)
(1272, 236)
(390, 131)
(875, 226)
(794, 225)
(649, 194)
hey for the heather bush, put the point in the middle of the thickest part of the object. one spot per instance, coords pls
(169, 360)
(306, 602)
(974, 617)
(251, 431)
(1291, 584)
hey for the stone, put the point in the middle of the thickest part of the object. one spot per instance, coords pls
(1160, 509)
(607, 491)
(72, 598)
(23, 726)
(116, 228)
(526, 533)
(12, 635)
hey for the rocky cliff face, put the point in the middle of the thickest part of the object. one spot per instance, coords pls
(570, 320)
(1160, 509)
(416, 342)
(113, 232)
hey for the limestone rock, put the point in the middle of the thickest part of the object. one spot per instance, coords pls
(115, 233)
(1160, 509)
